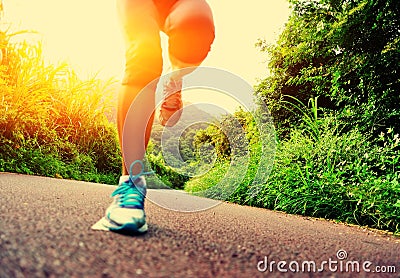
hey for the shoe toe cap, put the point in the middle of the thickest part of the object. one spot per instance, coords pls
(126, 215)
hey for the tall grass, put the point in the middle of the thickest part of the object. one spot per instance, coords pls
(349, 177)
(321, 171)
(53, 123)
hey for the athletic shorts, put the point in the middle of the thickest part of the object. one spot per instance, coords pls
(187, 23)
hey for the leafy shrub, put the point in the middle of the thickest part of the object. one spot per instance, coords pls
(237, 163)
(51, 122)
(321, 171)
(340, 176)
(347, 54)
(167, 175)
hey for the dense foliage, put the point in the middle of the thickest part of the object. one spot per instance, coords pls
(51, 122)
(333, 92)
(345, 52)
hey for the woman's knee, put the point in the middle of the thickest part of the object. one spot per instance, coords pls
(191, 32)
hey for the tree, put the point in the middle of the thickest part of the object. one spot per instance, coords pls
(366, 79)
(344, 53)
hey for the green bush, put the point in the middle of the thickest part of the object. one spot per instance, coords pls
(51, 122)
(346, 53)
(234, 170)
(321, 171)
(340, 176)
(200, 185)
(166, 175)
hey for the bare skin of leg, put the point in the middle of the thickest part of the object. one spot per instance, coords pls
(177, 65)
(127, 96)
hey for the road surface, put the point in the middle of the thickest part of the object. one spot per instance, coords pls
(45, 232)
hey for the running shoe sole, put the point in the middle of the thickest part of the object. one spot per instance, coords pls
(105, 224)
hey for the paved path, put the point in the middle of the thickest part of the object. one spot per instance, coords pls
(45, 232)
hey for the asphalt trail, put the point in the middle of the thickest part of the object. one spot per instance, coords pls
(45, 232)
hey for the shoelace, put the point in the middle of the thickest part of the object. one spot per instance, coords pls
(131, 195)
(172, 100)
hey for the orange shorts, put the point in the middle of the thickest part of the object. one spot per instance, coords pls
(187, 23)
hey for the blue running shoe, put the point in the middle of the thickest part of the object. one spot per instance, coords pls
(126, 213)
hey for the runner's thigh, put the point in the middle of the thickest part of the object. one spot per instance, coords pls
(190, 28)
(139, 20)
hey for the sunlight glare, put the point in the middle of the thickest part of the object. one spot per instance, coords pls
(83, 33)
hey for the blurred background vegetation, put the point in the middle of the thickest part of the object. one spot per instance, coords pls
(51, 122)
(332, 89)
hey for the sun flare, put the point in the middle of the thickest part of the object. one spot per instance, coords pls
(83, 33)
(86, 33)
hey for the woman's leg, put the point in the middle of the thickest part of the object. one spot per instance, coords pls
(190, 29)
(139, 19)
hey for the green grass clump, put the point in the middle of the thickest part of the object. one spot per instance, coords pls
(345, 177)
(321, 171)
(51, 122)
(214, 176)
